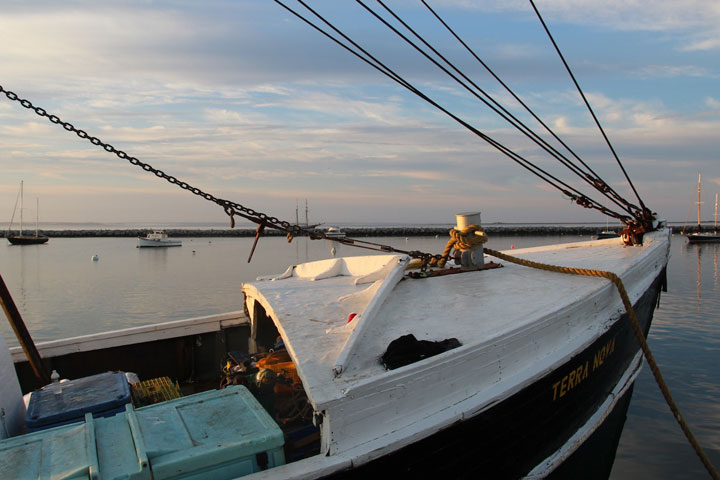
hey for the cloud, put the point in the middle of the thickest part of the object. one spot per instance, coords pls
(670, 71)
(239, 99)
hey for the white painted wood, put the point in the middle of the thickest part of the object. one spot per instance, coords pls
(515, 325)
(395, 269)
(12, 407)
(129, 336)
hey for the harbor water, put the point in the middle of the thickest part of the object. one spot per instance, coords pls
(77, 286)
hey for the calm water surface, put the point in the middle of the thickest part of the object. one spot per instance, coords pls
(62, 292)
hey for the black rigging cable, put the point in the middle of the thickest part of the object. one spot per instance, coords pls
(597, 122)
(594, 182)
(592, 177)
(571, 192)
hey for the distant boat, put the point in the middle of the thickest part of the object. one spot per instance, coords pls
(607, 233)
(700, 236)
(335, 232)
(306, 225)
(158, 238)
(19, 238)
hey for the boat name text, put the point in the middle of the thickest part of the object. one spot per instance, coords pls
(579, 374)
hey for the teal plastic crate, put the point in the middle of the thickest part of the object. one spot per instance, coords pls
(65, 453)
(120, 449)
(220, 434)
(97, 448)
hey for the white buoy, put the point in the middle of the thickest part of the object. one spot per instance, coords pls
(95, 258)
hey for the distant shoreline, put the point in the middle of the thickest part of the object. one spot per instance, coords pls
(510, 230)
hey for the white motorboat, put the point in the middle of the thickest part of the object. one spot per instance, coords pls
(334, 232)
(158, 238)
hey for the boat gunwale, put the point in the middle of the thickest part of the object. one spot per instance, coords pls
(134, 335)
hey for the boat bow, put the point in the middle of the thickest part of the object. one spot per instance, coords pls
(515, 325)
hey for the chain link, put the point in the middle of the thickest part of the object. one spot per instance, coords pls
(230, 208)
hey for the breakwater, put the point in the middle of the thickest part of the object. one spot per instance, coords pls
(357, 232)
(350, 231)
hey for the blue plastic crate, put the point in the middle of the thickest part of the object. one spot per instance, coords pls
(102, 395)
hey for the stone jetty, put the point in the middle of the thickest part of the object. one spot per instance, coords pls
(352, 232)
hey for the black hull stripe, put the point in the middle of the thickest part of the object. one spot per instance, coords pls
(509, 439)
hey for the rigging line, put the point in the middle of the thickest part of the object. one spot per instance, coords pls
(378, 65)
(594, 177)
(514, 121)
(577, 197)
(597, 122)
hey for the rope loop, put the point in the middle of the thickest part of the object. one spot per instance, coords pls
(467, 238)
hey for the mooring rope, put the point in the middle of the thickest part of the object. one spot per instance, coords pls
(638, 334)
(461, 240)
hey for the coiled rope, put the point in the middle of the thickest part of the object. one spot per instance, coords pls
(461, 240)
(638, 334)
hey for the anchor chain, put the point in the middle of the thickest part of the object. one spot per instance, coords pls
(230, 208)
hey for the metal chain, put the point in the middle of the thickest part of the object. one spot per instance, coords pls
(231, 208)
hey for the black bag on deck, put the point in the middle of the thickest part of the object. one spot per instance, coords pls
(408, 349)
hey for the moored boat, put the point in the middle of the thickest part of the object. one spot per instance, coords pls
(700, 236)
(540, 358)
(158, 238)
(21, 238)
(334, 232)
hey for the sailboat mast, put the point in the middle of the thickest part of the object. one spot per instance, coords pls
(37, 214)
(716, 202)
(698, 202)
(21, 207)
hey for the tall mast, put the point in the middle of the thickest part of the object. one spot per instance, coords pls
(716, 198)
(698, 202)
(21, 207)
(37, 214)
(307, 224)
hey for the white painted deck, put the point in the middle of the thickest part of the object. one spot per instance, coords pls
(514, 323)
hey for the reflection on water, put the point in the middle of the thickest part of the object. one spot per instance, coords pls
(685, 339)
(61, 292)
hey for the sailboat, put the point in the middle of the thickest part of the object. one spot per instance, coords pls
(700, 236)
(20, 238)
(607, 233)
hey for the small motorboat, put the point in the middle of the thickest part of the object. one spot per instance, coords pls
(335, 232)
(158, 238)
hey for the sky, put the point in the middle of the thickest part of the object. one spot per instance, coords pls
(244, 101)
